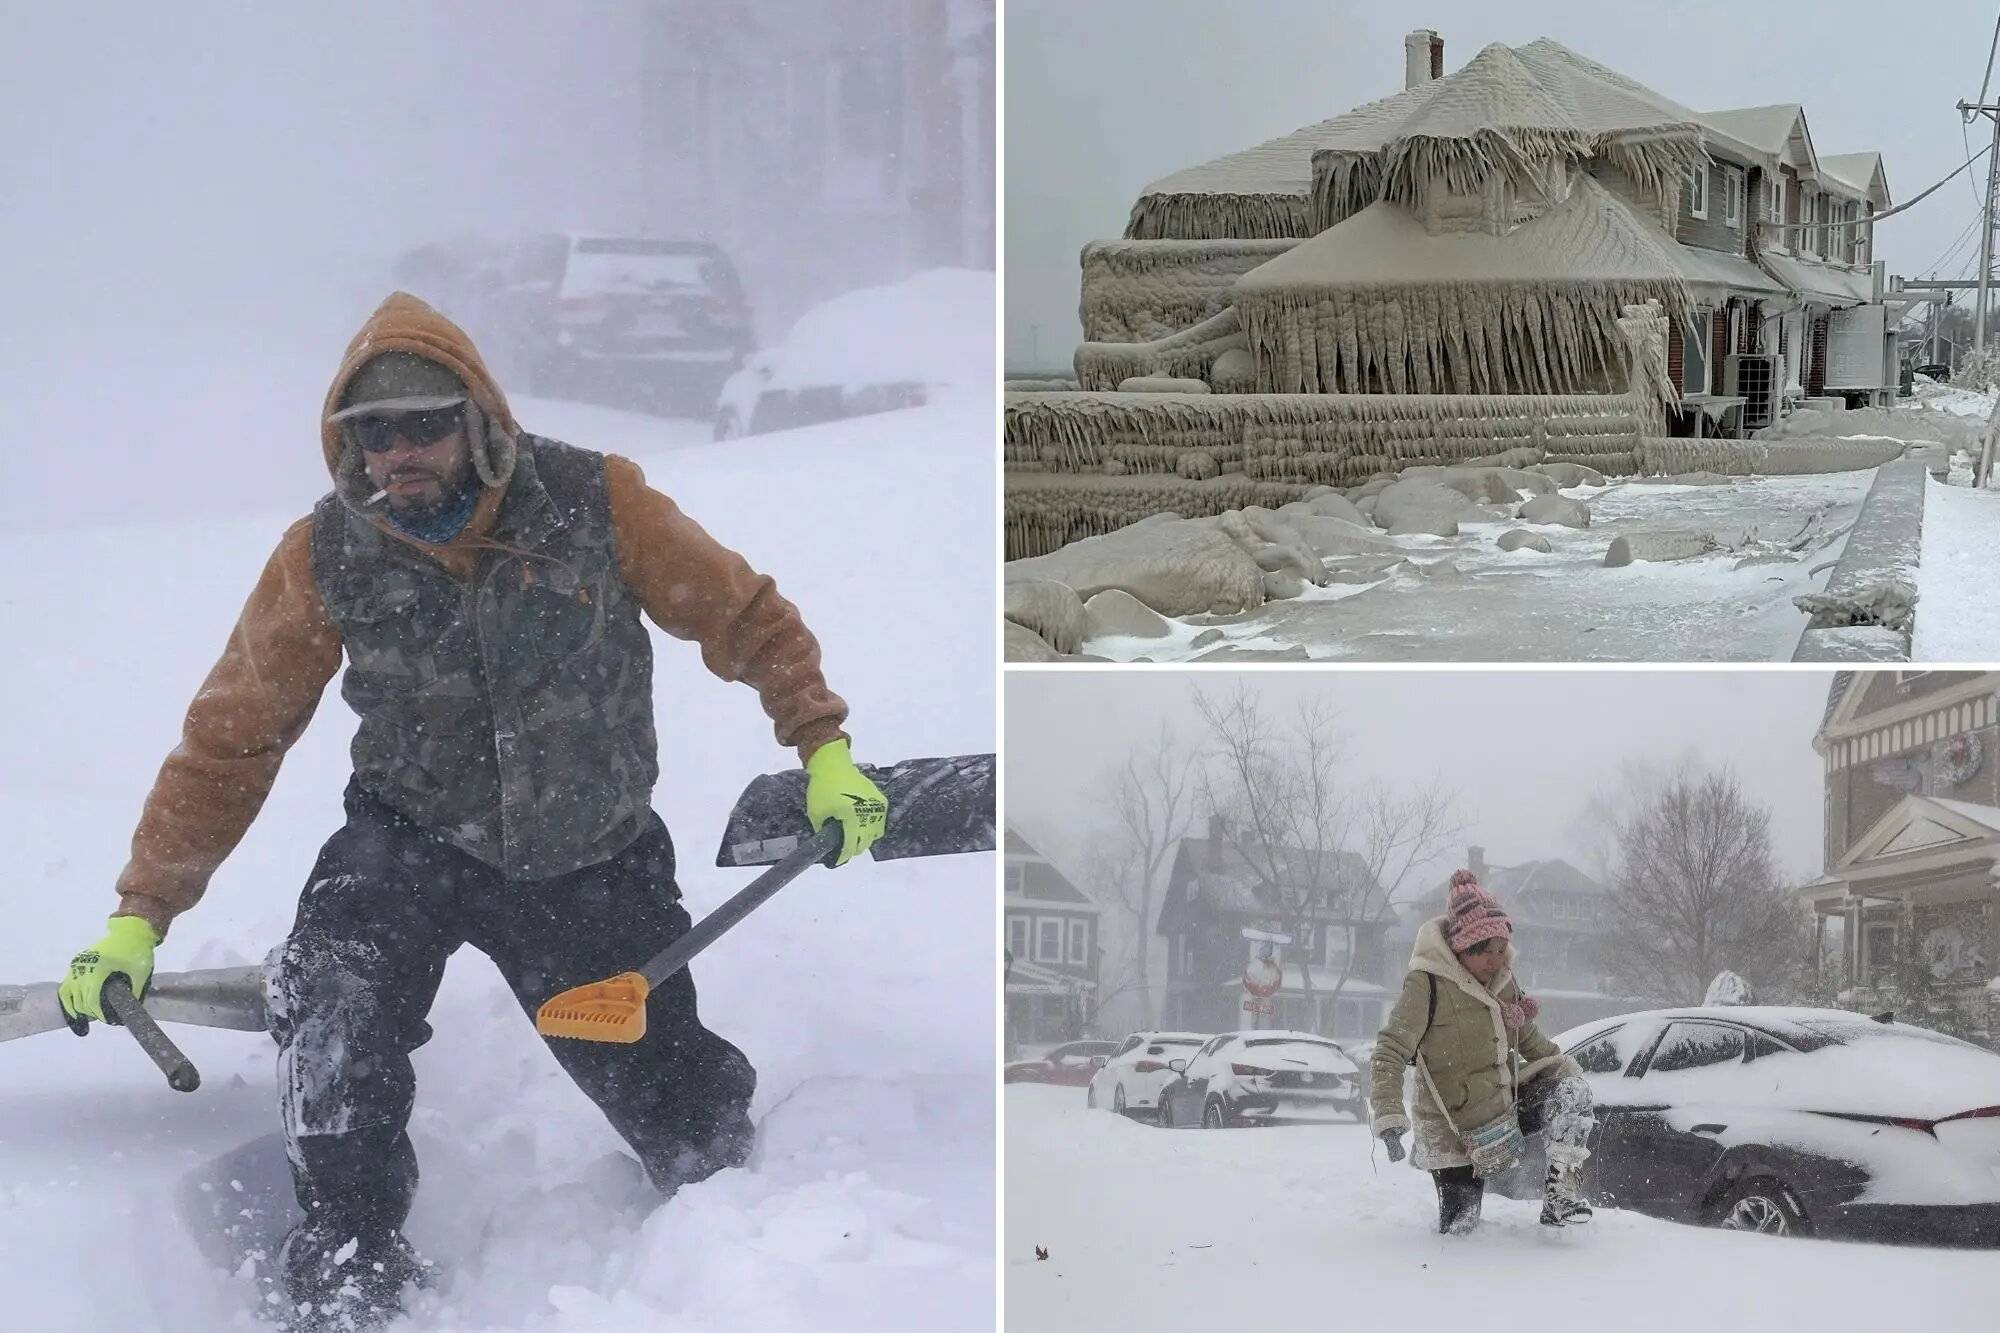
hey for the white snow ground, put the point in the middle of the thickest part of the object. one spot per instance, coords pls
(853, 992)
(1183, 1229)
(1958, 615)
(1565, 606)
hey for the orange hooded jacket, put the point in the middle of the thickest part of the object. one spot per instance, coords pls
(259, 697)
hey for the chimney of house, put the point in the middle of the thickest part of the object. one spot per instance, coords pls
(1423, 57)
(1475, 861)
(1218, 833)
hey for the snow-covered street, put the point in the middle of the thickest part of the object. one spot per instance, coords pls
(873, 1191)
(1172, 1229)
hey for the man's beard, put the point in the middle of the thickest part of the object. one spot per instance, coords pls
(420, 512)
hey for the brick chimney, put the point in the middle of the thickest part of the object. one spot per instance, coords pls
(1475, 861)
(1423, 57)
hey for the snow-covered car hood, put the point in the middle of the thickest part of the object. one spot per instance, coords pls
(932, 328)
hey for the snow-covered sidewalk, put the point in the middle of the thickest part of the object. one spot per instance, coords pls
(1958, 576)
(1186, 1229)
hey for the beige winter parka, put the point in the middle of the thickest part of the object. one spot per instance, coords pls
(1463, 1050)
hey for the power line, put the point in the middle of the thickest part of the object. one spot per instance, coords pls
(1885, 213)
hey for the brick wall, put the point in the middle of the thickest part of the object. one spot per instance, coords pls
(1818, 384)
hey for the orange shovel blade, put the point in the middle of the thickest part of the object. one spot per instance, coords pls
(610, 1010)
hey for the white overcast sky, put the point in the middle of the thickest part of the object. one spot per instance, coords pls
(1526, 751)
(1104, 96)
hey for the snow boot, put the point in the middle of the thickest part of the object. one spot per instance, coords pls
(1460, 1194)
(339, 1285)
(1563, 1204)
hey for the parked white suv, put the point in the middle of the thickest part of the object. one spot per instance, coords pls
(1132, 1077)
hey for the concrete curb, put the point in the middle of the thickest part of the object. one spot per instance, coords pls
(1868, 610)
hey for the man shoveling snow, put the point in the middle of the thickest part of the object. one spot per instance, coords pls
(485, 586)
(1465, 1024)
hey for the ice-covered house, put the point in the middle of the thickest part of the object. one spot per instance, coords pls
(1481, 231)
(1911, 894)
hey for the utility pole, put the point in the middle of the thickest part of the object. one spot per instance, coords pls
(1992, 112)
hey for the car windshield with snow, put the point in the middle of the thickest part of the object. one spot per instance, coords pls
(1261, 1075)
(1790, 1121)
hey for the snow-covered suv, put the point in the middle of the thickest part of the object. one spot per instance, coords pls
(1132, 1077)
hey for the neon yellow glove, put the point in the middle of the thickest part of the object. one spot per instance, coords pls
(126, 949)
(836, 789)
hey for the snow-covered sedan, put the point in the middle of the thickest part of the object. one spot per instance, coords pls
(1263, 1075)
(1133, 1075)
(1069, 1065)
(873, 350)
(1790, 1121)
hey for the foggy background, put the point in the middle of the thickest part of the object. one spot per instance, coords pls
(203, 200)
(1106, 97)
(1525, 751)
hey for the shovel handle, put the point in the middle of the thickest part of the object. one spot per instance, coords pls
(122, 1007)
(746, 900)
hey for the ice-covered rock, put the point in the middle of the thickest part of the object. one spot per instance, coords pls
(1021, 644)
(1515, 539)
(1280, 583)
(1178, 567)
(1197, 465)
(1051, 610)
(1115, 611)
(1421, 505)
(1559, 509)
(1327, 504)
(1659, 545)
(1566, 475)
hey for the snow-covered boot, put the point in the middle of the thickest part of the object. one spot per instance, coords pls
(1460, 1194)
(342, 1286)
(1563, 1204)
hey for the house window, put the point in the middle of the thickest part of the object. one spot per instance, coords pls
(1694, 355)
(1732, 200)
(1017, 936)
(1186, 955)
(1079, 942)
(1339, 946)
(1048, 939)
(1697, 190)
(1881, 943)
(1774, 199)
(1015, 879)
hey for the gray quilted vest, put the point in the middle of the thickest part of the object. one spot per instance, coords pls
(511, 715)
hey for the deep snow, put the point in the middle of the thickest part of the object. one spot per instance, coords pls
(1171, 1229)
(854, 991)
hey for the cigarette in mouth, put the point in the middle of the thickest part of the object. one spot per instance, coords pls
(382, 494)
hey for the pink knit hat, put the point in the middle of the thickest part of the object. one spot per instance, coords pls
(1472, 914)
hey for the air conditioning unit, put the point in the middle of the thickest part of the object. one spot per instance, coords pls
(1753, 377)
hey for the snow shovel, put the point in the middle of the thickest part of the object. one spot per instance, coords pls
(937, 807)
(222, 997)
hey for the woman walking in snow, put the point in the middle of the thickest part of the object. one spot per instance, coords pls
(1485, 1073)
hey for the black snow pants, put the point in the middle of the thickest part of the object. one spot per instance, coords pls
(386, 905)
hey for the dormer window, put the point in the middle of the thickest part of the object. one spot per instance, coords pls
(1697, 190)
(1732, 196)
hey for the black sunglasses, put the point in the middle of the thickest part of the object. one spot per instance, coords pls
(376, 434)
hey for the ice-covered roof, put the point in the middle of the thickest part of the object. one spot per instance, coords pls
(1537, 96)
(1839, 287)
(1712, 271)
(1764, 128)
(1857, 171)
(1590, 238)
